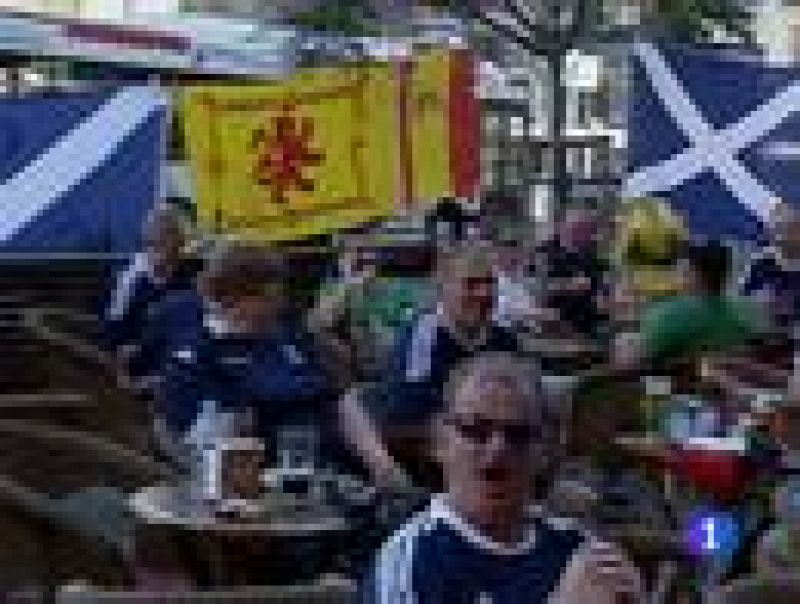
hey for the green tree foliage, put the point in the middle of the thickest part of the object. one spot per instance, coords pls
(688, 18)
(685, 19)
(347, 17)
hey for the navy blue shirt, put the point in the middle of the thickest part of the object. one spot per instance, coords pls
(578, 309)
(276, 374)
(420, 364)
(175, 320)
(436, 558)
(136, 292)
(768, 273)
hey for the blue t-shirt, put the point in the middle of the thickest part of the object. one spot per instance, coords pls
(420, 364)
(437, 558)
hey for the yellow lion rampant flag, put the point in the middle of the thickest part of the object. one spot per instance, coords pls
(297, 157)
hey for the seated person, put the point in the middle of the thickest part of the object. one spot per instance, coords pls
(361, 308)
(460, 326)
(480, 540)
(233, 345)
(778, 551)
(599, 483)
(773, 274)
(675, 332)
(162, 267)
(516, 306)
(575, 274)
(786, 425)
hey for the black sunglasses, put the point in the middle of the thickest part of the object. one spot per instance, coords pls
(480, 432)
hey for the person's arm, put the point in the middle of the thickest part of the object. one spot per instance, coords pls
(519, 306)
(363, 435)
(627, 352)
(600, 573)
(299, 376)
(658, 336)
(117, 320)
(140, 362)
(403, 386)
(332, 303)
(329, 307)
(766, 560)
(577, 284)
(757, 276)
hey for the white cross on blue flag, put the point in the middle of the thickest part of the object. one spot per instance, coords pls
(78, 171)
(717, 133)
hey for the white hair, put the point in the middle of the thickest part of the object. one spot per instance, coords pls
(506, 370)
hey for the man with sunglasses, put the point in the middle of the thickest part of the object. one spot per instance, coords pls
(480, 541)
(385, 422)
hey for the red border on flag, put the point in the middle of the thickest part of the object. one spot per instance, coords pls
(464, 113)
(403, 69)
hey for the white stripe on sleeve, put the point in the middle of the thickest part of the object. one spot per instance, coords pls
(123, 292)
(420, 354)
(394, 576)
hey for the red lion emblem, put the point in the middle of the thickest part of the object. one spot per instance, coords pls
(284, 151)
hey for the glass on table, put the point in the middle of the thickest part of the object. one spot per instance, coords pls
(242, 466)
(298, 447)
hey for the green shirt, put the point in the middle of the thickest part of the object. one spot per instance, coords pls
(384, 305)
(683, 326)
(388, 304)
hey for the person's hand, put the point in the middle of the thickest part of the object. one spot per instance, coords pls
(626, 351)
(622, 303)
(392, 478)
(578, 284)
(601, 575)
(609, 573)
(356, 267)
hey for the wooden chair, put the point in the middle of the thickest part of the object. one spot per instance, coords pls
(55, 459)
(41, 551)
(67, 487)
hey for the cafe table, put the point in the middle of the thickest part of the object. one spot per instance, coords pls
(284, 535)
(719, 466)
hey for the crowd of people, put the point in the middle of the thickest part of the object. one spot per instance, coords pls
(445, 368)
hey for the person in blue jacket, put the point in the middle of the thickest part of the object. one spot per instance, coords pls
(162, 267)
(232, 342)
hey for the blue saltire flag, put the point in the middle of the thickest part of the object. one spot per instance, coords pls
(716, 132)
(78, 171)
